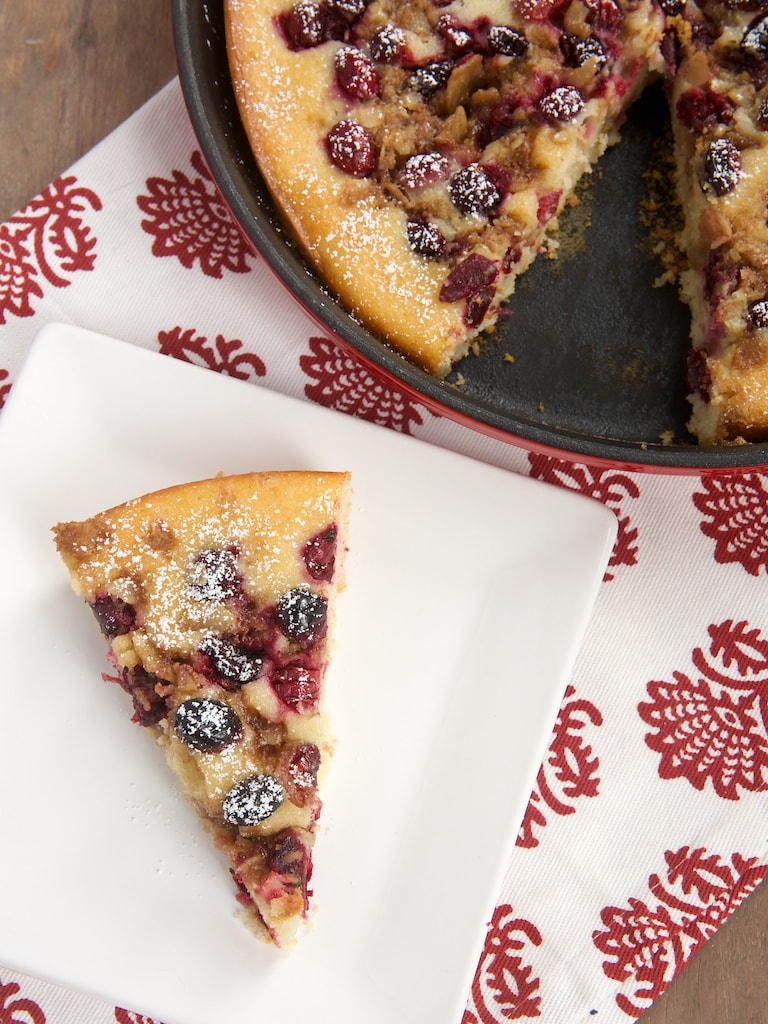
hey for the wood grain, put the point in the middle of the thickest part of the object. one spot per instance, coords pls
(70, 72)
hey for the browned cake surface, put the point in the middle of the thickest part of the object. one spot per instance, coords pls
(218, 599)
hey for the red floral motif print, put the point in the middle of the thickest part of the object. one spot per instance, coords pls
(504, 986)
(5, 387)
(569, 770)
(648, 942)
(704, 731)
(221, 355)
(736, 511)
(189, 220)
(47, 241)
(126, 1017)
(344, 384)
(18, 1011)
(609, 486)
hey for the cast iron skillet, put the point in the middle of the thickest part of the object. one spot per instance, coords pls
(599, 351)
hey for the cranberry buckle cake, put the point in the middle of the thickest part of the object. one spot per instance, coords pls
(719, 99)
(218, 599)
(422, 153)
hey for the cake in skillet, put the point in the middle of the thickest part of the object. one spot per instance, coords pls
(422, 152)
(218, 599)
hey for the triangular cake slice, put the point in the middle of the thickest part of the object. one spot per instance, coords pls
(218, 599)
(422, 151)
(719, 103)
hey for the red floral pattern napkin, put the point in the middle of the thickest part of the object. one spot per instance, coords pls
(647, 823)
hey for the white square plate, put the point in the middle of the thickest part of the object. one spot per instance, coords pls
(469, 589)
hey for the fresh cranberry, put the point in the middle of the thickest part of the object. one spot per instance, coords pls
(507, 41)
(425, 238)
(252, 800)
(350, 10)
(231, 665)
(540, 10)
(604, 14)
(388, 44)
(421, 170)
(699, 109)
(477, 190)
(561, 105)
(296, 685)
(355, 73)
(114, 616)
(352, 148)
(304, 25)
(289, 857)
(206, 725)
(477, 307)
(300, 765)
(722, 166)
(149, 707)
(547, 205)
(214, 575)
(471, 276)
(456, 39)
(319, 553)
(698, 376)
(302, 613)
(671, 7)
(430, 78)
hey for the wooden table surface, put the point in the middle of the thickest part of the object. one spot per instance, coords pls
(70, 72)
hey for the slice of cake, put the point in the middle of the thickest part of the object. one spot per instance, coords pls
(218, 599)
(422, 151)
(719, 102)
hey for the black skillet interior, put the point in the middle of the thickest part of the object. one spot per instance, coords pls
(597, 346)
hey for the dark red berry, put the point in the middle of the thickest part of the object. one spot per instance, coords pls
(475, 190)
(471, 276)
(302, 613)
(289, 857)
(388, 44)
(561, 105)
(699, 109)
(296, 685)
(722, 166)
(319, 554)
(300, 765)
(149, 707)
(355, 73)
(605, 14)
(350, 10)
(456, 39)
(232, 664)
(576, 51)
(352, 149)
(507, 41)
(757, 314)
(762, 115)
(304, 25)
(430, 78)
(252, 800)
(422, 169)
(425, 238)
(206, 725)
(114, 616)
(671, 7)
(214, 575)
(754, 42)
